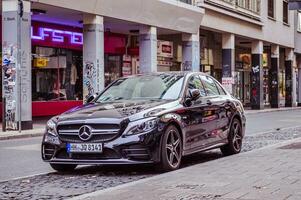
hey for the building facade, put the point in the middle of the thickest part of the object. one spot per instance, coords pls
(72, 49)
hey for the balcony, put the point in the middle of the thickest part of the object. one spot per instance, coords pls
(250, 8)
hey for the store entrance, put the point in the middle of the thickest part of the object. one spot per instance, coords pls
(243, 86)
(113, 68)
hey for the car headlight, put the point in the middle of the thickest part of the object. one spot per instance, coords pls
(51, 134)
(51, 127)
(142, 126)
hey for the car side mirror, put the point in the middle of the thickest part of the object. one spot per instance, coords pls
(194, 94)
(91, 98)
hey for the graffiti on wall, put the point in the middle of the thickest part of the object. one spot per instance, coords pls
(89, 79)
(9, 85)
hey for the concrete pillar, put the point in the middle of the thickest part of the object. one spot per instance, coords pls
(191, 52)
(257, 76)
(16, 57)
(147, 49)
(93, 55)
(274, 77)
(228, 61)
(289, 55)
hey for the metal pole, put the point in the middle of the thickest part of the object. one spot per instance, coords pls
(20, 15)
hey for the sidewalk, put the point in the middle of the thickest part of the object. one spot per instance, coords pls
(38, 130)
(267, 110)
(269, 173)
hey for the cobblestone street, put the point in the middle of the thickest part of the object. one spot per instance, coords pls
(89, 179)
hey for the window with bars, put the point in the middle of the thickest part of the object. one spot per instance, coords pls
(252, 5)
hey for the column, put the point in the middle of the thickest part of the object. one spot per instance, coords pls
(16, 73)
(191, 52)
(274, 77)
(228, 61)
(289, 55)
(257, 76)
(147, 49)
(93, 55)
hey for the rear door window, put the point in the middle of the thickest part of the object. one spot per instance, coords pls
(196, 83)
(209, 85)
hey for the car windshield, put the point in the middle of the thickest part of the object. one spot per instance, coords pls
(163, 86)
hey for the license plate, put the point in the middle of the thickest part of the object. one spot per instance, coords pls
(84, 147)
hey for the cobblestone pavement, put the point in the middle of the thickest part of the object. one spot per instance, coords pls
(89, 179)
(272, 173)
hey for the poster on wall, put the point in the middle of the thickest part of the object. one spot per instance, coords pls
(165, 49)
(126, 65)
(227, 83)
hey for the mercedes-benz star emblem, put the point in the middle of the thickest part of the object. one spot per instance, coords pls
(85, 133)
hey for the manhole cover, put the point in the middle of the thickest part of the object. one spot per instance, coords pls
(296, 145)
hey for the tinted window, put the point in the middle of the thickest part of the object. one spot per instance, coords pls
(209, 85)
(195, 83)
(220, 89)
(163, 86)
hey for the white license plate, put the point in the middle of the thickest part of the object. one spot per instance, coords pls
(84, 147)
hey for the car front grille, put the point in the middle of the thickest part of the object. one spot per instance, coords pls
(100, 132)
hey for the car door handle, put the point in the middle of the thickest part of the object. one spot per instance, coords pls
(209, 102)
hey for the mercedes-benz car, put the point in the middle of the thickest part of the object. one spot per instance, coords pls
(147, 119)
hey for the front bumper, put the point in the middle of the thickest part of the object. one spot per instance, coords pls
(143, 148)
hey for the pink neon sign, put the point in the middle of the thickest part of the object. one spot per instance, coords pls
(56, 35)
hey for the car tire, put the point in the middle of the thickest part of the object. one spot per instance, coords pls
(63, 167)
(234, 139)
(171, 149)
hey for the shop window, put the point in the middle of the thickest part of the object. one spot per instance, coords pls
(285, 11)
(56, 74)
(113, 68)
(271, 8)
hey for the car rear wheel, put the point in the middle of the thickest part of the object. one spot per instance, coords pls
(63, 167)
(234, 139)
(171, 154)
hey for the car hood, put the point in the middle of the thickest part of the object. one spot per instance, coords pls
(132, 110)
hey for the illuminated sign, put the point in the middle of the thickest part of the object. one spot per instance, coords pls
(56, 35)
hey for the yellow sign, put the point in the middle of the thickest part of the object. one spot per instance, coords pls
(40, 62)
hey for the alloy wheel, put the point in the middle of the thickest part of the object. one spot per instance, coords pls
(173, 148)
(237, 136)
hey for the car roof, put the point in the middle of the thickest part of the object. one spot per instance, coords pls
(179, 73)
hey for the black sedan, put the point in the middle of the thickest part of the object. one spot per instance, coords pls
(155, 118)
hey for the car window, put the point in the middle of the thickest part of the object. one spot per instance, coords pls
(209, 85)
(195, 83)
(220, 89)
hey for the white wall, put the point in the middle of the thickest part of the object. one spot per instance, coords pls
(170, 14)
(273, 31)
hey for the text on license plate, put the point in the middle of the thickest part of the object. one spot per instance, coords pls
(84, 147)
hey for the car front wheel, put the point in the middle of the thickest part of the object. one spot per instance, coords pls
(234, 139)
(63, 167)
(171, 153)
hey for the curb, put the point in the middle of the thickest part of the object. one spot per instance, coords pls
(271, 110)
(19, 136)
(97, 193)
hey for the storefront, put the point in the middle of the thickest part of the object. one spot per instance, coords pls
(57, 66)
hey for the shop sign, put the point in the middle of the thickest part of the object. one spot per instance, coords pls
(165, 49)
(56, 35)
(40, 62)
(227, 83)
